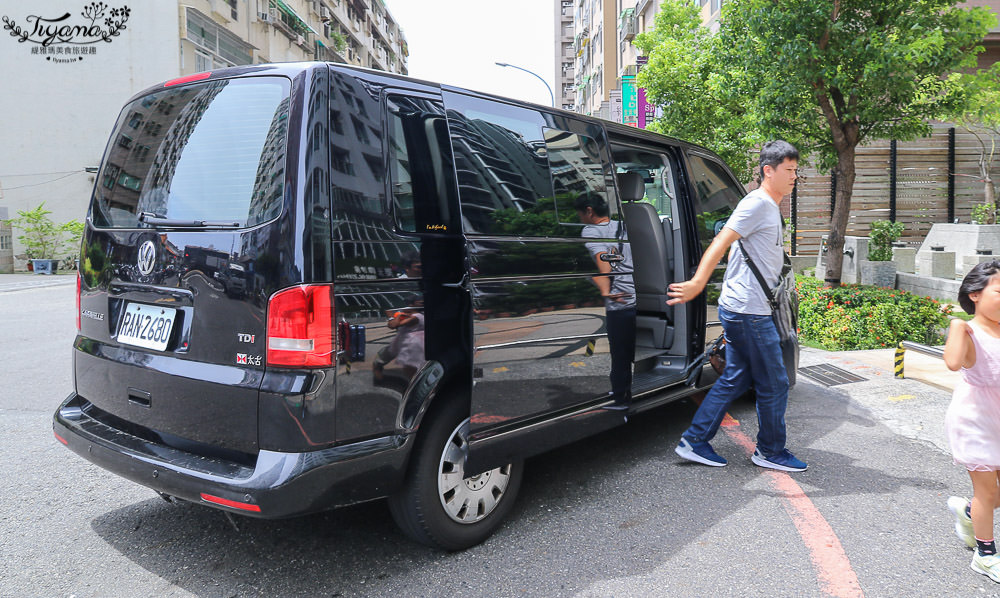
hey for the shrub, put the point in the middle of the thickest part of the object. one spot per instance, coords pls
(880, 239)
(44, 239)
(863, 317)
(984, 213)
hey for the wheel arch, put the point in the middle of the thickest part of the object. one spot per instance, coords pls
(431, 385)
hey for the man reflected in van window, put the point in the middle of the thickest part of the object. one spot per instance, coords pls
(618, 291)
(753, 352)
(412, 266)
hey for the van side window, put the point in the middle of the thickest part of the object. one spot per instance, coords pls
(577, 167)
(502, 166)
(715, 198)
(657, 173)
(420, 165)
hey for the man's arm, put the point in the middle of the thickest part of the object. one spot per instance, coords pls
(682, 292)
(603, 282)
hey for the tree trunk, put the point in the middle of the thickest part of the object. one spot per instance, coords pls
(989, 198)
(841, 213)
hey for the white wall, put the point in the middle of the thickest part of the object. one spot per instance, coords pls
(55, 118)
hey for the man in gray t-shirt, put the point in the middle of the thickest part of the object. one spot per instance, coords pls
(753, 350)
(616, 286)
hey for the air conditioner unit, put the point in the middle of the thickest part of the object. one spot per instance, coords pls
(324, 15)
(265, 17)
(300, 40)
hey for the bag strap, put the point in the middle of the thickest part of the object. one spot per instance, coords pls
(758, 275)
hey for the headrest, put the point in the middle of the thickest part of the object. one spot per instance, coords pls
(631, 186)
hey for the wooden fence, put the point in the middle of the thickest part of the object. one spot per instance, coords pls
(920, 175)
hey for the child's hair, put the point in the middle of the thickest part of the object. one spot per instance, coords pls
(974, 282)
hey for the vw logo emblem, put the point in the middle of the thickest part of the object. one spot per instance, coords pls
(147, 257)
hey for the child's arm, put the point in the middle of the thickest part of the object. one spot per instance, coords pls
(959, 351)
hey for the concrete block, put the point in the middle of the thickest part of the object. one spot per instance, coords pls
(942, 289)
(936, 264)
(905, 258)
(855, 250)
(800, 263)
(968, 262)
(821, 259)
(963, 239)
(879, 274)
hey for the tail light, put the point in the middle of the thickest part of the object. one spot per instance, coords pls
(78, 291)
(300, 327)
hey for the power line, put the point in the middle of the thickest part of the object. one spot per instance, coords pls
(38, 173)
(44, 182)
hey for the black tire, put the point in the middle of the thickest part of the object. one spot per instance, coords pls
(431, 507)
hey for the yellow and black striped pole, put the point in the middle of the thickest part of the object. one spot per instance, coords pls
(591, 344)
(899, 360)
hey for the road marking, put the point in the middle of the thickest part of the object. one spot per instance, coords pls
(833, 568)
(899, 398)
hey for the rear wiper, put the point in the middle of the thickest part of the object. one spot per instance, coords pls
(157, 220)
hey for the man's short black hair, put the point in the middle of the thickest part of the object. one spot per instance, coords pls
(594, 201)
(775, 152)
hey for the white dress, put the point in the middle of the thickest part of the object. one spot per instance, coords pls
(973, 418)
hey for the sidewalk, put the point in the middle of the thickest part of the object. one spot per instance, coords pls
(913, 407)
(916, 366)
(22, 281)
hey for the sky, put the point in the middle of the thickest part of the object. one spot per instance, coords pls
(458, 41)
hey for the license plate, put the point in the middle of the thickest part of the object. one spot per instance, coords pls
(146, 326)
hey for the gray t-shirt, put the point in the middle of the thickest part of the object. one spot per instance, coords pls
(622, 281)
(757, 219)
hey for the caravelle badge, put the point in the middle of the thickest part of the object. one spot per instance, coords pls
(147, 258)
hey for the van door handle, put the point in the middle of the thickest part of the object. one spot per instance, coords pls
(612, 257)
(461, 284)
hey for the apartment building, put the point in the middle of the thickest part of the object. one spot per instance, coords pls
(596, 62)
(219, 33)
(565, 55)
(69, 92)
(595, 40)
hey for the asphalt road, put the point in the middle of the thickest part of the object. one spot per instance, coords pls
(615, 515)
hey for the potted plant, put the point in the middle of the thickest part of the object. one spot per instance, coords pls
(879, 269)
(45, 241)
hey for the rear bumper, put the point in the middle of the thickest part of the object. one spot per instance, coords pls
(279, 484)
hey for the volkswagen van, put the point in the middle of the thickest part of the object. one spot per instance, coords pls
(310, 285)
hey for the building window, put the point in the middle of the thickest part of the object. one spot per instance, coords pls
(129, 182)
(135, 120)
(202, 62)
(225, 47)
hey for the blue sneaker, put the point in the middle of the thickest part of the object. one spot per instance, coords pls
(699, 452)
(783, 461)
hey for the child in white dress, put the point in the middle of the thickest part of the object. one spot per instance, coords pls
(972, 422)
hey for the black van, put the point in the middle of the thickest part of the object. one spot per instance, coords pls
(310, 285)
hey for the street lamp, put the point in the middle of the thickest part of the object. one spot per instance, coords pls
(514, 66)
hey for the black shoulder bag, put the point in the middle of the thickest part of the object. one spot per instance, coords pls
(784, 303)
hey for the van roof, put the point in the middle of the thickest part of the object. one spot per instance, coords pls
(291, 69)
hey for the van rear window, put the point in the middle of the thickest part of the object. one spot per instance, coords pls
(213, 151)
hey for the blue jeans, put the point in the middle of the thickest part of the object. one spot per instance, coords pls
(753, 357)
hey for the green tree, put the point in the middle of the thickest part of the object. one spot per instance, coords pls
(823, 74)
(981, 117)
